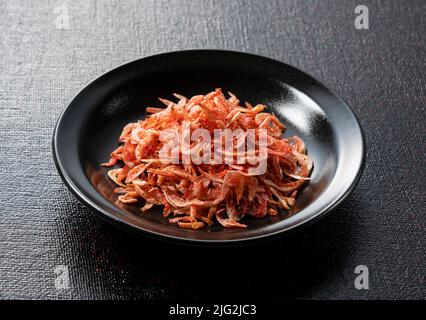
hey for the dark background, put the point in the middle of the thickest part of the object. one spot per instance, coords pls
(380, 72)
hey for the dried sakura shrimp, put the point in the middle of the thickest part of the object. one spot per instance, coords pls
(194, 195)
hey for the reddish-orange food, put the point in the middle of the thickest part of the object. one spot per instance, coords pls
(195, 195)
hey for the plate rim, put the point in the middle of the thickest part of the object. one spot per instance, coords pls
(111, 218)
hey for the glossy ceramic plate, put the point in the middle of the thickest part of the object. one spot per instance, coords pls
(88, 131)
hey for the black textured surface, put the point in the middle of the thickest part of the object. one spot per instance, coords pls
(380, 72)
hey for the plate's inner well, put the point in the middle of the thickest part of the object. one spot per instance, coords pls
(301, 115)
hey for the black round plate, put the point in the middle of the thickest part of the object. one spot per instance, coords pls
(88, 131)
